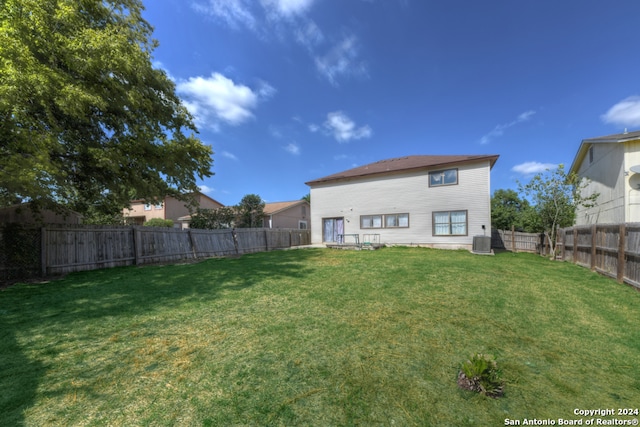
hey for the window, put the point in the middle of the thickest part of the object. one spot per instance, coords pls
(591, 154)
(397, 220)
(302, 225)
(384, 221)
(443, 177)
(159, 206)
(304, 211)
(452, 223)
(371, 221)
(147, 207)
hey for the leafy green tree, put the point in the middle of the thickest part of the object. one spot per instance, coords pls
(214, 219)
(555, 195)
(250, 212)
(508, 209)
(86, 121)
(306, 198)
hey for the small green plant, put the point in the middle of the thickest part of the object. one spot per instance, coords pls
(480, 374)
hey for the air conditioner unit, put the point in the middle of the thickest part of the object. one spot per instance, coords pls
(482, 244)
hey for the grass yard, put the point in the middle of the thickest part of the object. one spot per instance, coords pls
(318, 337)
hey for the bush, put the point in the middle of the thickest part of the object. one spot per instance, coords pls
(159, 222)
(480, 374)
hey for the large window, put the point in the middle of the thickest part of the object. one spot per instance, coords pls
(443, 177)
(385, 221)
(451, 223)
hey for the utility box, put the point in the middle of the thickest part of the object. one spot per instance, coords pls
(482, 244)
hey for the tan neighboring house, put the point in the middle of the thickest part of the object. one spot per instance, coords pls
(436, 201)
(611, 163)
(287, 215)
(169, 208)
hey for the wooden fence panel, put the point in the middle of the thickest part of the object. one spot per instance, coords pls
(582, 247)
(210, 243)
(64, 249)
(69, 249)
(251, 240)
(609, 249)
(606, 243)
(157, 244)
(517, 241)
(300, 237)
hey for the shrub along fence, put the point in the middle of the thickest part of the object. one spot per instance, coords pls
(609, 249)
(53, 249)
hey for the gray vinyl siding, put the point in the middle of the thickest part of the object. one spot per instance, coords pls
(410, 193)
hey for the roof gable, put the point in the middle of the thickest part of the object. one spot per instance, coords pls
(406, 163)
(277, 207)
(616, 138)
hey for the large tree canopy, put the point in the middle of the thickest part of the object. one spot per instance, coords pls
(85, 118)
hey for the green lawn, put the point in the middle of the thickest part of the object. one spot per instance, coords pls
(317, 337)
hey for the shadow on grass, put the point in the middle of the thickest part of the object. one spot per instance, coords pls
(50, 310)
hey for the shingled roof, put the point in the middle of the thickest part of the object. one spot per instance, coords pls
(405, 164)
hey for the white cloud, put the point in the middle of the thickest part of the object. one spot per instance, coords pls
(235, 13)
(293, 149)
(313, 128)
(530, 168)
(287, 7)
(206, 189)
(341, 60)
(309, 35)
(344, 129)
(499, 129)
(218, 99)
(229, 155)
(624, 113)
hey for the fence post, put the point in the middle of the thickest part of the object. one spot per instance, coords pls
(513, 238)
(621, 253)
(575, 245)
(266, 238)
(137, 245)
(593, 247)
(193, 244)
(43, 251)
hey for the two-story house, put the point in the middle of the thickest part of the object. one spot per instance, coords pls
(169, 208)
(612, 166)
(436, 201)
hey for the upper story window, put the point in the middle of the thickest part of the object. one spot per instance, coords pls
(159, 205)
(147, 206)
(591, 154)
(443, 177)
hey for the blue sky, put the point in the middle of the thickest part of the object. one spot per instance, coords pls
(287, 91)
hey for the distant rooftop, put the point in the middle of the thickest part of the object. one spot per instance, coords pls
(405, 164)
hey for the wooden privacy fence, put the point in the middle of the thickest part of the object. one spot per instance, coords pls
(78, 248)
(609, 249)
(516, 241)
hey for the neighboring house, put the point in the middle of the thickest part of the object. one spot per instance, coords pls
(287, 214)
(23, 214)
(436, 201)
(169, 208)
(612, 165)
